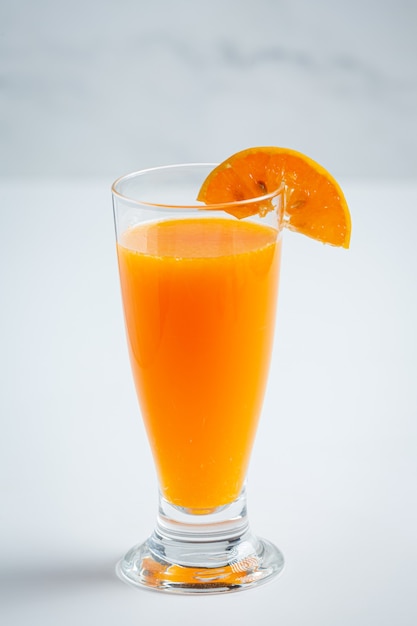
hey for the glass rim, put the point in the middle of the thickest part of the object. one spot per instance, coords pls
(197, 205)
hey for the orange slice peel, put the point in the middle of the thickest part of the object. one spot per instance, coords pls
(314, 203)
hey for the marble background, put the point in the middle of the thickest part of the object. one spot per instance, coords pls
(98, 87)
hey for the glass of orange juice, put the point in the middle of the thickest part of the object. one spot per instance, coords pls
(199, 289)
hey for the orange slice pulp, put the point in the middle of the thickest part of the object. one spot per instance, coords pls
(314, 204)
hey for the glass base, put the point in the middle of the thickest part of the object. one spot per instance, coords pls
(211, 552)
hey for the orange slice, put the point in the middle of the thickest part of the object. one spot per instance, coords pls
(314, 204)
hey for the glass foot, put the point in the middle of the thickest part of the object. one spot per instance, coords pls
(210, 553)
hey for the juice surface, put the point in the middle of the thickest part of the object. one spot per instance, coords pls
(199, 298)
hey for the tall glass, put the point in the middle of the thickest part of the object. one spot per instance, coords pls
(199, 289)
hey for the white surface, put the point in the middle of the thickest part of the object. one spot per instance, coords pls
(333, 474)
(93, 87)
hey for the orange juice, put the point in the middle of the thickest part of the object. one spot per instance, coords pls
(199, 298)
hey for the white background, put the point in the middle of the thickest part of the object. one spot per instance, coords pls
(98, 87)
(91, 90)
